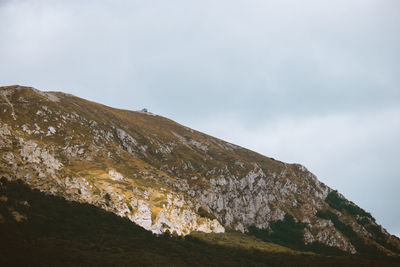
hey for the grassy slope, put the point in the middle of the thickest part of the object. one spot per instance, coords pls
(144, 128)
(63, 233)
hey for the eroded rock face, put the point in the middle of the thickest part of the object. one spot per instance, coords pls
(157, 173)
(32, 153)
(134, 203)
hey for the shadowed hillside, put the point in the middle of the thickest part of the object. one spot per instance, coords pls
(38, 229)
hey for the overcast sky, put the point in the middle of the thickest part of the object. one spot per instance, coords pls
(311, 82)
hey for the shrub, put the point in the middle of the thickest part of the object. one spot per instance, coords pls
(203, 213)
(338, 203)
(289, 233)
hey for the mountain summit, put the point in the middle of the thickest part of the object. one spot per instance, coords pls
(167, 177)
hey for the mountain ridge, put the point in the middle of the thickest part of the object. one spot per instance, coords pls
(165, 176)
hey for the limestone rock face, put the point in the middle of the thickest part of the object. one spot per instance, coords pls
(164, 176)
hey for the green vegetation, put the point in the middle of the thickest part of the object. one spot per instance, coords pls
(58, 232)
(365, 219)
(336, 202)
(285, 232)
(235, 239)
(361, 246)
(289, 233)
(380, 237)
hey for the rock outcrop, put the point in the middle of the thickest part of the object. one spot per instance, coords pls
(164, 176)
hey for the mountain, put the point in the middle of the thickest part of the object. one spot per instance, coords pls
(55, 232)
(167, 177)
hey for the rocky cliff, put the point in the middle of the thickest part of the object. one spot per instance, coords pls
(165, 176)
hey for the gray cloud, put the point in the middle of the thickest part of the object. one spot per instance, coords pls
(306, 81)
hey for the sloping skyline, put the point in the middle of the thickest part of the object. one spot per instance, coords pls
(311, 82)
